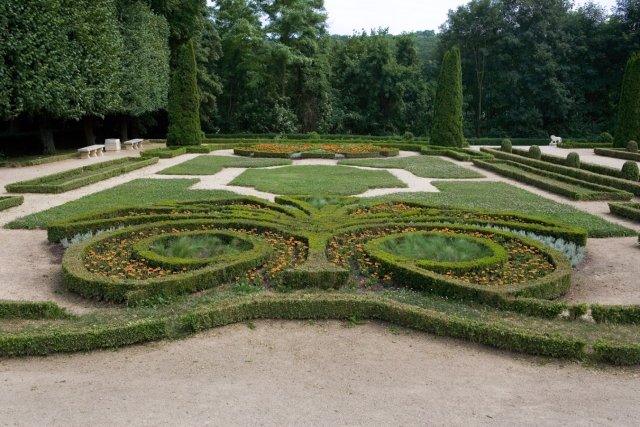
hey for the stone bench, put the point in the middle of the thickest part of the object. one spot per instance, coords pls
(91, 151)
(133, 144)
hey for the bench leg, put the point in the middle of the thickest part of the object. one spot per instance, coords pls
(92, 153)
(84, 154)
(99, 152)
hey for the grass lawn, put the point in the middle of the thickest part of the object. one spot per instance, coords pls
(422, 166)
(211, 165)
(137, 192)
(500, 196)
(328, 180)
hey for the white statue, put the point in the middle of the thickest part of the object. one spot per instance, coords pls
(555, 140)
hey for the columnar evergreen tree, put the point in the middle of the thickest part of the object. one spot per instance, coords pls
(629, 107)
(447, 112)
(184, 102)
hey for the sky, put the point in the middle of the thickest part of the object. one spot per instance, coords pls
(398, 15)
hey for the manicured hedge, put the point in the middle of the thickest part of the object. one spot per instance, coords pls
(514, 141)
(562, 161)
(7, 202)
(583, 175)
(618, 154)
(201, 149)
(462, 154)
(617, 353)
(165, 153)
(553, 182)
(626, 210)
(31, 310)
(85, 339)
(68, 180)
(624, 314)
(572, 144)
(345, 307)
(307, 138)
(38, 161)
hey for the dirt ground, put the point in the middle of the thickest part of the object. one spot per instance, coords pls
(302, 374)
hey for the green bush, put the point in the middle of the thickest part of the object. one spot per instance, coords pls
(630, 171)
(184, 101)
(164, 153)
(573, 160)
(604, 138)
(534, 152)
(632, 147)
(31, 310)
(629, 105)
(617, 353)
(617, 314)
(314, 135)
(626, 210)
(506, 146)
(408, 136)
(447, 111)
(7, 202)
(617, 153)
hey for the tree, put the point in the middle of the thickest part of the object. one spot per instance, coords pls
(447, 112)
(629, 107)
(144, 74)
(184, 116)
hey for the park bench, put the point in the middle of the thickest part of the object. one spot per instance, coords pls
(91, 151)
(133, 144)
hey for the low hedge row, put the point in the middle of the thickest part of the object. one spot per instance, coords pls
(583, 175)
(461, 154)
(307, 138)
(164, 153)
(85, 339)
(626, 210)
(562, 161)
(572, 144)
(514, 141)
(618, 154)
(33, 310)
(553, 182)
(201, 149)
(7, 202)
(37, 161)
(617, 353)
(345, 307)
(69, 180)
(624, 314)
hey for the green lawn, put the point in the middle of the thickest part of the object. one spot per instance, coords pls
(500, 196)
(136, 192)
(330, 180)
(422, 166)
(211, 165)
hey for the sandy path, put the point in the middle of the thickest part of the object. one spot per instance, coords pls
(297, 374)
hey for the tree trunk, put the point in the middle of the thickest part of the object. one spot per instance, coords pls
(14, 125)
(46, 134)
(135, 130)
(89, 135)
(123, 129)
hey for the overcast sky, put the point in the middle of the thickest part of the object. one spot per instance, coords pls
(399, 15)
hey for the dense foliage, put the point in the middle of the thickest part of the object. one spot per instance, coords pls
(184, 116)
(447, 113)
(629, 107)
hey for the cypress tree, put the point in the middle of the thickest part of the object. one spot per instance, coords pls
(629, 106)
(447, 112)
(184, 102)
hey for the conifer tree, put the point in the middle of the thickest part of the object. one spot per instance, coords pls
(184, 102)
(629, 106)
(447, 112)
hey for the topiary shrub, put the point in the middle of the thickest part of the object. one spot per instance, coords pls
(534, 152)
(630, 171)
(632, 147)
(314, 135)
(573, 160)
(408, 136)
(447, 111)
(506, 146)
(184, 101)
(605, 138)
(629, 108)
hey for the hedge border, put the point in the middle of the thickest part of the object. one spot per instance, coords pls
(7, 202)
(39, 185)
(164, 153)
(583, 175)
(618, 314)
(617, 353)
(618, 154)
(626, 210)
(32, 310)
(40, 161)
(554, 182)
(345, 307)
(572, 144)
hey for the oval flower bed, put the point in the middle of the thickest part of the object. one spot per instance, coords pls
(322, 151)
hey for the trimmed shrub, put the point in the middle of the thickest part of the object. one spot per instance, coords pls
(617, 353)
(604, 138)
(506, 146)
(184, 101)
(617, 153)
(620, 314)
(573, 160)
(630, 171)
(626, 210)
(632, 147)
(314, 135)
(408, 136)
(447, 112)
(629, 105)
(10, 201)
(534, 152)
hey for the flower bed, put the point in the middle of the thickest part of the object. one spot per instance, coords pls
(318, 150)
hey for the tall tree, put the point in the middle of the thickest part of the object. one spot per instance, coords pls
(629, 107)
(184, 103)
(447, 112)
